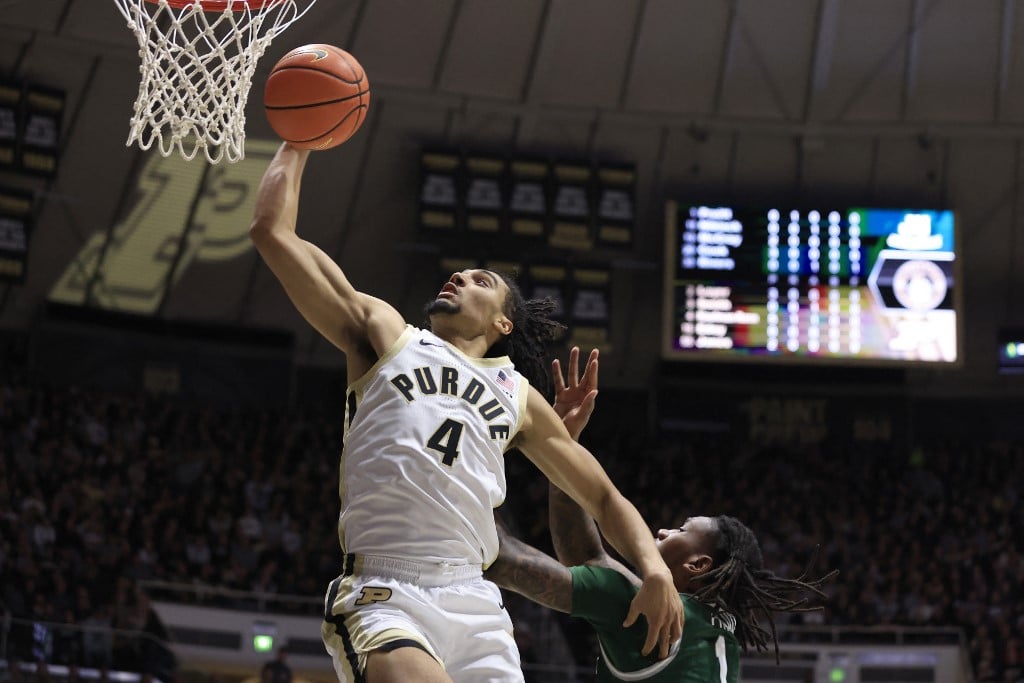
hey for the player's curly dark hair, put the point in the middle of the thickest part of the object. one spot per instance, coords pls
(532, 330)
(739, 584)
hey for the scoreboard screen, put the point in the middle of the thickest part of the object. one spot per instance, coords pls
(819, 285)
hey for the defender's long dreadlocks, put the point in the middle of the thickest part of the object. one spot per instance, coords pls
(740, 585)
(532, 329)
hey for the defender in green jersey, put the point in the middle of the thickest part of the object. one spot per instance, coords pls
(716, 566)
(708, 650)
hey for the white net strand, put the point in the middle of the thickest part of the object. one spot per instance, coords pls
(197, 68)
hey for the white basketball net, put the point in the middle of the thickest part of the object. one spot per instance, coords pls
(197, 69)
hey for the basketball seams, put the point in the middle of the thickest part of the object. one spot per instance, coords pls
(310, 105)
(356, 69)
(335, 76)
(341, 55)
(335, 127)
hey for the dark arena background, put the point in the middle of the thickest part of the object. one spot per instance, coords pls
(793, 228)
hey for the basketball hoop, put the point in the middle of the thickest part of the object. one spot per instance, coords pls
(198, 59)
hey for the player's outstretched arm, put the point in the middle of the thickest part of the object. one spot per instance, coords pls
(521, 567)
(349, 319)
(575, 535)
(529, 572)
(572, 468)
(573, 532)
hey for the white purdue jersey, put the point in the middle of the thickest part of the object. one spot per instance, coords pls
(423, 465)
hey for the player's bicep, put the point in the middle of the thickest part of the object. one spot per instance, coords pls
(363, 318)
(317, 287)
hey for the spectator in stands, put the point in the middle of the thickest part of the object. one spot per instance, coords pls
(67, 642)
(97, 638)
(277, 669)
(42, 634)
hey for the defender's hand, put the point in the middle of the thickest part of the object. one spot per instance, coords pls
(574, 399)
(659, 601)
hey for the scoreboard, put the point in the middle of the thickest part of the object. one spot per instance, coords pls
(828, 284)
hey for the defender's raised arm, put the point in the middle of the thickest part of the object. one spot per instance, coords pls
(572, 468)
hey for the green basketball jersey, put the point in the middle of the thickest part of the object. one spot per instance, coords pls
(708, 652)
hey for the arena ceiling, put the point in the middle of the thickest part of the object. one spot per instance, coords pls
(905, 101)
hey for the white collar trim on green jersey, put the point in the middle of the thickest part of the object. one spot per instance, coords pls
(641, 674)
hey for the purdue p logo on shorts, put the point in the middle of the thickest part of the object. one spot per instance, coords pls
(371, 594)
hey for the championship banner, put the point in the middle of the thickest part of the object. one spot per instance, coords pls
(616, 202)
(571, 211)
(549, 280)
(590, 317)
(485, 193)
(439, 191)
(15, 225)
(528, 198)
(10, 122)
(40, 140)
(565, 205)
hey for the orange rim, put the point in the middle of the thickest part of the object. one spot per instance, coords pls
(215, 5)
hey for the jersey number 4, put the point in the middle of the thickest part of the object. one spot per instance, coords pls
(446, 441)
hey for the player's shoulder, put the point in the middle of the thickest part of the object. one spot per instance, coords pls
(600, 595)
(595, 576)
(707, 617)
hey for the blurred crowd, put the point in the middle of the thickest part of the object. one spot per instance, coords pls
(99, 492)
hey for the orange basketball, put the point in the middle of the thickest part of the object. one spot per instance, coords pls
(316, 96)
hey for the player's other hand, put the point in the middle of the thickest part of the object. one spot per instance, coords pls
(659, 601)
(574, 398)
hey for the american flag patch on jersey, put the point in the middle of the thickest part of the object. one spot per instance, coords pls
(505, 381)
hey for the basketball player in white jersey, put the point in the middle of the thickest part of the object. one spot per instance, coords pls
(429, 416)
